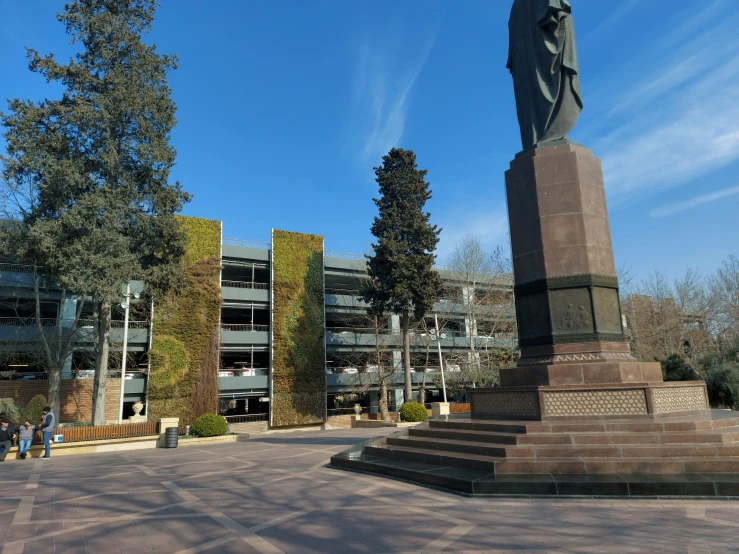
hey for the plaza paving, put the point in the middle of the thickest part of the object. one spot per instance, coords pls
(275, 494)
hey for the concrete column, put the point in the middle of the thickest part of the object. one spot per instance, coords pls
(67, 369)
(67, 311)
(470, 325)
(397, 354)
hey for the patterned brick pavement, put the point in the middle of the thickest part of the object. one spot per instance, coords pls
(274, 494)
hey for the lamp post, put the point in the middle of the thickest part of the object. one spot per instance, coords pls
(125, 305)
(437, 336)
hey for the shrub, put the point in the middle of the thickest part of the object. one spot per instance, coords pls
(676, 368)
(34, 410)
(722, 384)
(209, 425)
(9, 409)
(413, 411)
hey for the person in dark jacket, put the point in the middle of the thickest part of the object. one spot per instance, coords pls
(47, 429)
(7, 430)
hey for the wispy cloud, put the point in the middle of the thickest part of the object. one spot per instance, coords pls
(382, 89)
(617, 14)
(677, 207)
(490, 228)
(678, 121)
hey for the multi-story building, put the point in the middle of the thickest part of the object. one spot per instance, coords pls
(353, 340)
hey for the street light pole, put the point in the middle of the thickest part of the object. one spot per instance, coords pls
(439, 336)
(126, 303)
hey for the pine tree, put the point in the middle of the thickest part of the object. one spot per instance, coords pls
(402, 278)
(99, 209)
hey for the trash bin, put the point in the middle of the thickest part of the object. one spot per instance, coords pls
(171, 437)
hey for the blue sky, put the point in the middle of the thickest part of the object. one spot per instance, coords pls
(285, 107)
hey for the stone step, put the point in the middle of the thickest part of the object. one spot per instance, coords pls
(590, 426)
(466, 435)
(451, 459)
(482, 483)
(622, 465)
(461, 446)
(572, 451)
(559, 465)
(727, 435)
(491, 426)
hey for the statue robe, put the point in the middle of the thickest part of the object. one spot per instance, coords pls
(542, 59)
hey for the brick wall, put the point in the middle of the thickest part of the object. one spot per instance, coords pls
(76, 397)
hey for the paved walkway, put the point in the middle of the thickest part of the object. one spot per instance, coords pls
(274, 494)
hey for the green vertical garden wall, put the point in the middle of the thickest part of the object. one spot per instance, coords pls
(183, 378)
(298, 391)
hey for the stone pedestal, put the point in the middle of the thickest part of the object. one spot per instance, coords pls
(575, 360)
(439, 409)
(164, 424)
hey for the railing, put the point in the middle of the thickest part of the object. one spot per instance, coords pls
(243, 327)
(27, 321)
(343, 292)
(353, 256)
(371, 331)
(103, 432)
(343, 255)
(17, 268)
(247, 243)
(90, 374)
(12, 375)
(117, 324)
(52, 321)
(341, 411)
(246, 418)
(245, 285)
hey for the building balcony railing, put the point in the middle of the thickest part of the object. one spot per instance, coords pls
(371, 331)
(13, 375)
(247, 243)
(17, 268)
(343, 292)
(245, 285)
(249, 327)
(52, 321)
(343, 255)
(246, 418)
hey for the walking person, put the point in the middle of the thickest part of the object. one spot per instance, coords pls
(25, 438)
(7, 430)
(47, 429)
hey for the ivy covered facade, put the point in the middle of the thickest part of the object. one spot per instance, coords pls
(270, 332)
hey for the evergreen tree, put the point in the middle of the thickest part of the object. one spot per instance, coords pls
(402, 278)
(97, 208)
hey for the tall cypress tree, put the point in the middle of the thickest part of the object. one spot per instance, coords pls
(97, 161)
(402, 278)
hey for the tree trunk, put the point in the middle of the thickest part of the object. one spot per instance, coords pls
(101, 364)
(384, 414)
(55, 386)
(405, 324)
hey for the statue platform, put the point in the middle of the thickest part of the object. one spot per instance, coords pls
(578, 415)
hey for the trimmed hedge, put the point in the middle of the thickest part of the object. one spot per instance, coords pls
(722, 385)
(9, 409)
(413, 411)
(209, 425)
(34, 411)
(299, 347)
(183, 380)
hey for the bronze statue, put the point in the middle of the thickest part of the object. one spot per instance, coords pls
(542, 59)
